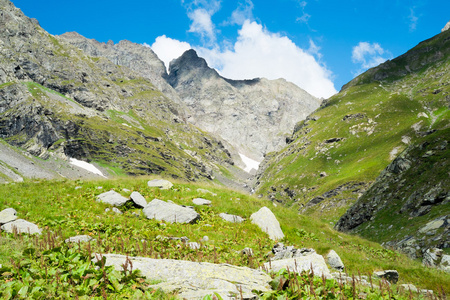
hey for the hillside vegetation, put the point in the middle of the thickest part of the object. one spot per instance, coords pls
(339, 150)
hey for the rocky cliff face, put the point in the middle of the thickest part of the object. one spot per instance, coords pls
(55, 99)
(252, 115)
(408, 206)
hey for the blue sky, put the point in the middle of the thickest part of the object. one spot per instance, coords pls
(317, 44)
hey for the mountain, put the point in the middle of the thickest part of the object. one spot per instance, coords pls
(57, 101)
(253, 115)
(338, 152)
(235, 110)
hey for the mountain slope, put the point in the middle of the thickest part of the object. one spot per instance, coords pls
(56, 100)
(339, 150)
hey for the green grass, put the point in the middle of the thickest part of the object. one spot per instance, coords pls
(69, 208)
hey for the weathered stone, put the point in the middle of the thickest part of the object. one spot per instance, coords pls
(408, 287)
(389, 275)
(79, 239)
(194, 280)
(21, 226)
(335, 261)
(138, 199)
(8, 215)
(231, 218)
(112, 198)
(432, 257)
(268, 223)
(160, 183)
(201, 201)
(432, 225)
(300, 264)
(281, 251)
(170, 212)
(193, 245)
(445, 263)
(203, 191)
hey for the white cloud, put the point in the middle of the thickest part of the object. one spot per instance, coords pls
(241, 14)
(305, 17)
(260, 53)
(168, 49)
(413, 19)
(369, 55)
(202, 24)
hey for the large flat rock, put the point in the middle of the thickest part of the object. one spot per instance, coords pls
(170, 212)
(7, 215)
(160, 183)
(194, 280)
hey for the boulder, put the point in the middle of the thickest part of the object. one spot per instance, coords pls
(445, 263)
(79, 239)
(201, 201)
(432, 257)
(300, 264)
(112, 198)
(389, 275)
(138, 199)
(7, 215)
(195, 280)
(231, 218)
(170, 212)
(335, 261)
(281, 251)
(21, 226)
(160, 183)
(203, 191)
(268, 223)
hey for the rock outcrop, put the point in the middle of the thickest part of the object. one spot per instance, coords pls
(170, 212)
(267, 222)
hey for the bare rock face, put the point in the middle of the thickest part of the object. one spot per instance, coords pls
(252, 115)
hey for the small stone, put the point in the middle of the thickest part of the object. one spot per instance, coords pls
(205, 238)
(194, 245)
(201, 201)
(247, 251)
(21, 226)
(160, 183)
(335, 261)
(77, 187)
(206, 192)
(231, 218)
(116, 210)
(79, 239)
(112, 198)
(408, 287)
(389, 275)
(138, 199)
(8, 215)
(126, 190)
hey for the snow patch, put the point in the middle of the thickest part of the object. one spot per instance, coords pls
(249, 163)
(85, 165)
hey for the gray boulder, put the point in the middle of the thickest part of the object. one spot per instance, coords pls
(138, 199)
(445, 263)
(389, 275)
(432, 257)
(268, 223)
(195, 280)
(112, 198)
(79, 239)
(160, 183)
(231, 218)
(281, 251)
(201, 201)
(170, 212)
(8, 215)
(21, 226)
(335, 261)
(300, 264)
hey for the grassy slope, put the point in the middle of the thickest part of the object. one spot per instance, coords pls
(371, 117)
(69, 208)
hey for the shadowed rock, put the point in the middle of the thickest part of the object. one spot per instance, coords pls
(112, 198)
(231, 218)
(138, 199)
(8, 215)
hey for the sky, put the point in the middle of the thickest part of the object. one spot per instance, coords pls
(319, 45)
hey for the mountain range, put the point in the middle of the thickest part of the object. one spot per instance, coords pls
(372, 159)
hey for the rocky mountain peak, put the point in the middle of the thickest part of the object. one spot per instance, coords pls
(446, 27)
